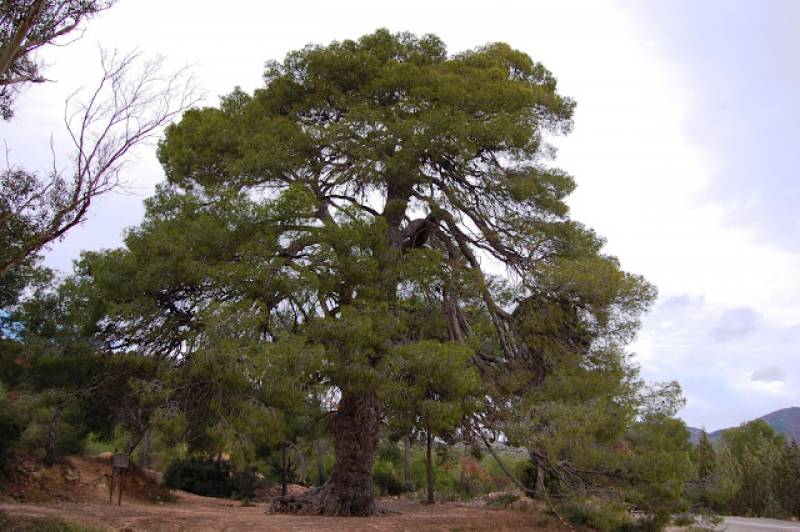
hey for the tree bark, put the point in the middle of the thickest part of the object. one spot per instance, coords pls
(429, 467)
(284, 486)
(348, 492)
(540, 491)
(144, 454)
(52, 436)
(9, 52)
(407, 460)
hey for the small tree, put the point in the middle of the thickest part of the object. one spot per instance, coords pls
(433, 390)
(704, 459)
(660, 465)
(727, 482)
(789, 480)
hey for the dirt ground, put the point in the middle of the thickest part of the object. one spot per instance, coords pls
(197, 514)
(76, 490)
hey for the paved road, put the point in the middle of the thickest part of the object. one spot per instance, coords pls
(748, 524)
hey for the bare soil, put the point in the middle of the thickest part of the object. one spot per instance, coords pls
(76, 491)
(195, 513)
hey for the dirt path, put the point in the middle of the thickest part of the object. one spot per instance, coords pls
(76, 490)
(198, 514)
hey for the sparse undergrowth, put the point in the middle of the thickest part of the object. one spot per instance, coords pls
(41, 524)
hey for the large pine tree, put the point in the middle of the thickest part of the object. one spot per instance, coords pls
(347, 213)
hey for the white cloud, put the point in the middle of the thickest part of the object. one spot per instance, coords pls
(769, 375)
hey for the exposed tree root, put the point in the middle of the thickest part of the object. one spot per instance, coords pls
(326, 500)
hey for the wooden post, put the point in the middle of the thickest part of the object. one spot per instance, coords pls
(119, 465)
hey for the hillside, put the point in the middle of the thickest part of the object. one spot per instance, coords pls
(785, 421)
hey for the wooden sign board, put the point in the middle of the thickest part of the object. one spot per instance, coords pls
(120, 460)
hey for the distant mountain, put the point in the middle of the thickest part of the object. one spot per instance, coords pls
(785, 421)
(694, 434)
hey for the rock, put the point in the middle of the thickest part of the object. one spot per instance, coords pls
(108, 455)
(71, 474)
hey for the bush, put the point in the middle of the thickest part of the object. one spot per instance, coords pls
(598, 515)
(245, 484)
(211, 478)
(11, 426)
(385, 478)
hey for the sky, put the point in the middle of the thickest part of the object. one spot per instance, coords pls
(685, 150)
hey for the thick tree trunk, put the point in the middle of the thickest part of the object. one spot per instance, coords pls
(349, 490)
(429, 467)
(407, 460)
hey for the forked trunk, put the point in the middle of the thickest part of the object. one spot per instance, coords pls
(355, 440)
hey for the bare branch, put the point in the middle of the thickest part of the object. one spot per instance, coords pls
(133, 100)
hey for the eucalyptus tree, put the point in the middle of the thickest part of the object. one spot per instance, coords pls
(28, 25)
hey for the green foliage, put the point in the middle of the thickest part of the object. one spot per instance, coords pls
(788, 480)
(759, 463)
(387, 478)
(660, 466)
(11, 425)
(597, 515)
(432, 385)
(726, 483)
(211, 478)
(751, 435)
(753, 472)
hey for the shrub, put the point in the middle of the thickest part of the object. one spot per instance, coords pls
(598, 515)
(211, 478)
(11, 426)
(245, 484)
(385, 479)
